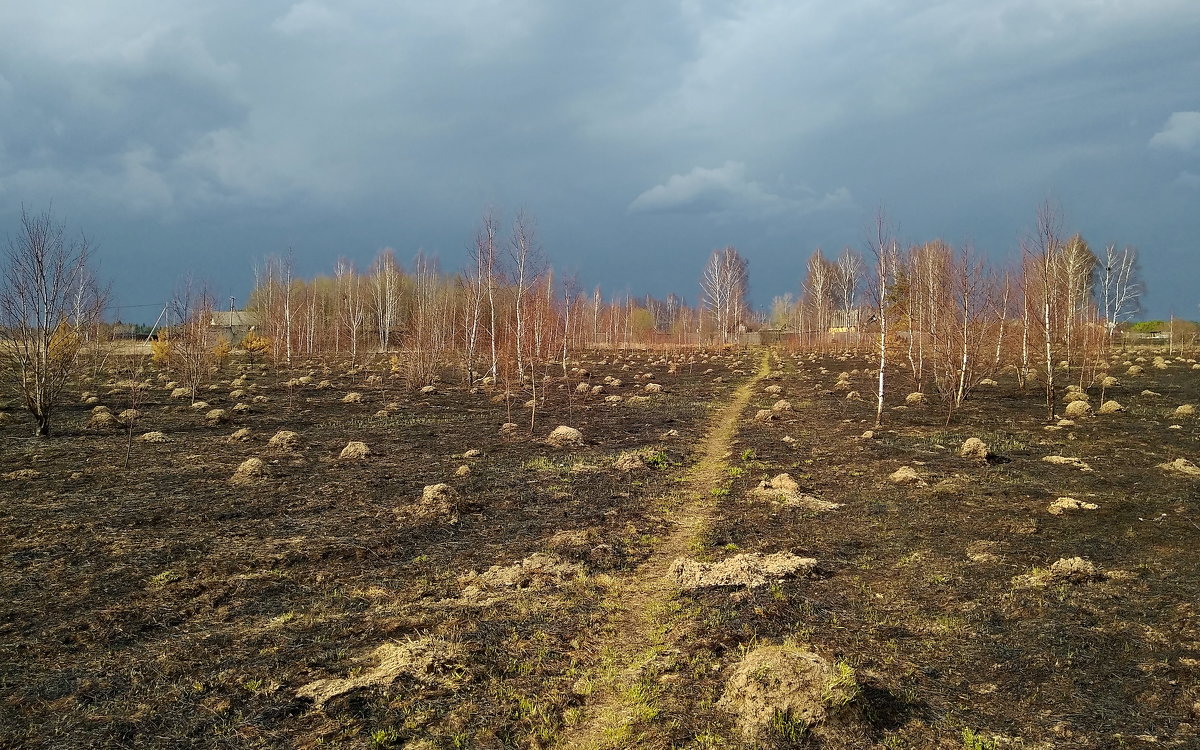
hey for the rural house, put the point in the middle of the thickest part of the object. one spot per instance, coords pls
(234, 324)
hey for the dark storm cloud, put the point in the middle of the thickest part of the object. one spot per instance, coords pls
(640, 134)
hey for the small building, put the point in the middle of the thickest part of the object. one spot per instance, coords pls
(234, 324)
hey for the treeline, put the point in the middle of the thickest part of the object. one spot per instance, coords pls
(942, 318)
(506, 313)
(946, 319)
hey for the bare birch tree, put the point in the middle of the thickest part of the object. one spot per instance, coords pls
(192, 339)
(526, 258)
(818, 289)
(724, 289)
(884, 249)
(352, 304)
(386, 278)
(49, 300)
(847, 277)
(1039, 258)
(479, 285)
(1120, 286)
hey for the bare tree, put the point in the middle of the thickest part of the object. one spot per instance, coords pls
(1002, 318)
(1042, 291)
(49, 300)
(479, 283)
(885, 251)
(526, 256)
(725, 289)
(818, 289)
(386, 289)
(782, 310)
(272, 301)
(431, 327)
(1075, 267)
(847, 277)
(966, 326)
(571, 292)
(1120, 286)
(352, 304)
(192, 340)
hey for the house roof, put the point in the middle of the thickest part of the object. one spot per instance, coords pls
(236, 318)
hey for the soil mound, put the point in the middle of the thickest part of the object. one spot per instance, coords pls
(778, 483)
(354, 450)
(21, 474)
(784, 490)
(905, 475)
(285, 440)
(572, 542)
(750, 570)
(431, 661)
(539, 570)
(1072, 461)
(973, 447)
(785, 685)
(565, 437)
(1181, 466)
(1066, 504)
(1073, 570)
(1077, 409)
(629, 462)
(438, 501)
(250, 471)
(102, 419)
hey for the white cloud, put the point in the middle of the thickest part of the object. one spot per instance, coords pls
(307, 16)
(726, 191)
(1182, 132)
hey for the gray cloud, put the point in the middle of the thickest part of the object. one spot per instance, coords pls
(626, 127)
(310, 16)
(1189, 180)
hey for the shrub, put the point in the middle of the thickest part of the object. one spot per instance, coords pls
(220, 353)
(160, 351)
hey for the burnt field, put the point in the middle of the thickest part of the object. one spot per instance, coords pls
(154, 595)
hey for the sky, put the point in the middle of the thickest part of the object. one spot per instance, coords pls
(191, 140)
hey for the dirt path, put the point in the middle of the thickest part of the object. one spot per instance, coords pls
(634, 650)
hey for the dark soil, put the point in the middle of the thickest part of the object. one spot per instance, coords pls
(920, 590)
(148, 602)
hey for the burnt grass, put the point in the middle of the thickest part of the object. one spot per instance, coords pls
(148, 602)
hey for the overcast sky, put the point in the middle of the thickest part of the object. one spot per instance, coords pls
(194, 138)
